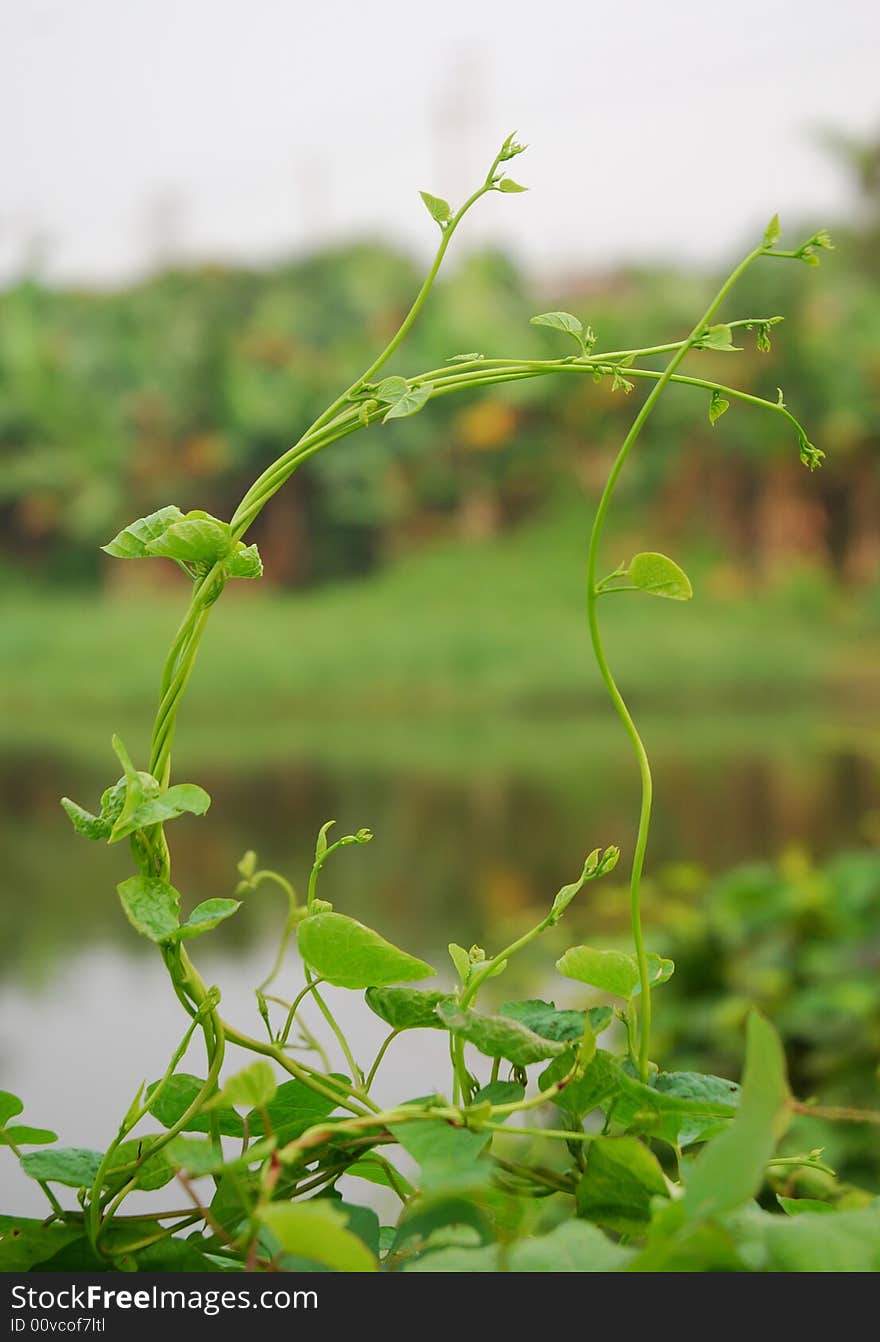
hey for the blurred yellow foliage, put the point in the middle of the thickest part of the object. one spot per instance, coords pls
(485, 426)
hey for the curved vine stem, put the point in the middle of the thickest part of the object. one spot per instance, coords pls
(614, 693)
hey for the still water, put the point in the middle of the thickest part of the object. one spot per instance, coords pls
(465, 843)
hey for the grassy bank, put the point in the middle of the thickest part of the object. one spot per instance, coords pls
(469, 634)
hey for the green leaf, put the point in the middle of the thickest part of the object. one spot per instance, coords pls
(151, 906)
(509, 186)
(349, 955)
(461, 960)
(205, 916)
(660, 970)
(678, 1107)
(447, 1155)
(195, 1155)
(611, 971)
(375, 1172)
(561, 321)
(176, 1096)
(133, 540)
(318, 1231)
(21, 1135)
(254, 1086)
(410, 403)
(197, 539)
(717, 407)
(718, 337)
(549, 1021)
(705, 1091)
(621, 1178)
(245, 562)
(199, 1155)
(322, 842)
(772, 231)
(137, 786)
(406, 1008)
(132, 1160)
(498, 1036)
(234, 1199)
(440, 210)
(456, 1258)
(294, 1108)
(70, 1165)
(84, 822)
(436, 1217)
(848, 1241)
(731, 1168)
(389, 390)
(363, 1222)
(465, 358)
(658, 575)
(574, 1246)
(161, 807)
(10, 1105)
(28, 1242)
(499, 1092)
(802, 1206)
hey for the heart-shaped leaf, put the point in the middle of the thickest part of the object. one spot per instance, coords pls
(245, 562)
(318, 1231)
(350, 955)
(177, 1095)
(133, 541)
(498, 1036)
(440, 210)
(197, 539)
(612, 971)
(560, 321)
(550, 1022)
(152, 906)
(294, 1108)
(410, 402)
(19, 1134)
(70, 1165)
(10, 1106)
(253, 1087)
(206, 916)
(407, 1008)
(658, 575)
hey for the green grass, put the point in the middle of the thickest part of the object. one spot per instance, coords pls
(459, 639)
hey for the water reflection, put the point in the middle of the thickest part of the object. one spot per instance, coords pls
(78, 1051)
(454, 850)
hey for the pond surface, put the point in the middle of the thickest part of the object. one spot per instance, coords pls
(467, 840)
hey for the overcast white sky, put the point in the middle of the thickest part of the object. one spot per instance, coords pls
(250, 128)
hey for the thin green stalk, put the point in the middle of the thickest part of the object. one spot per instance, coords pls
(262, 487)
(50, 1196)
(310, 987)
(647, 787)
(389, 1039)
(341, 1094)
(542, 1132)
(356, 1073)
